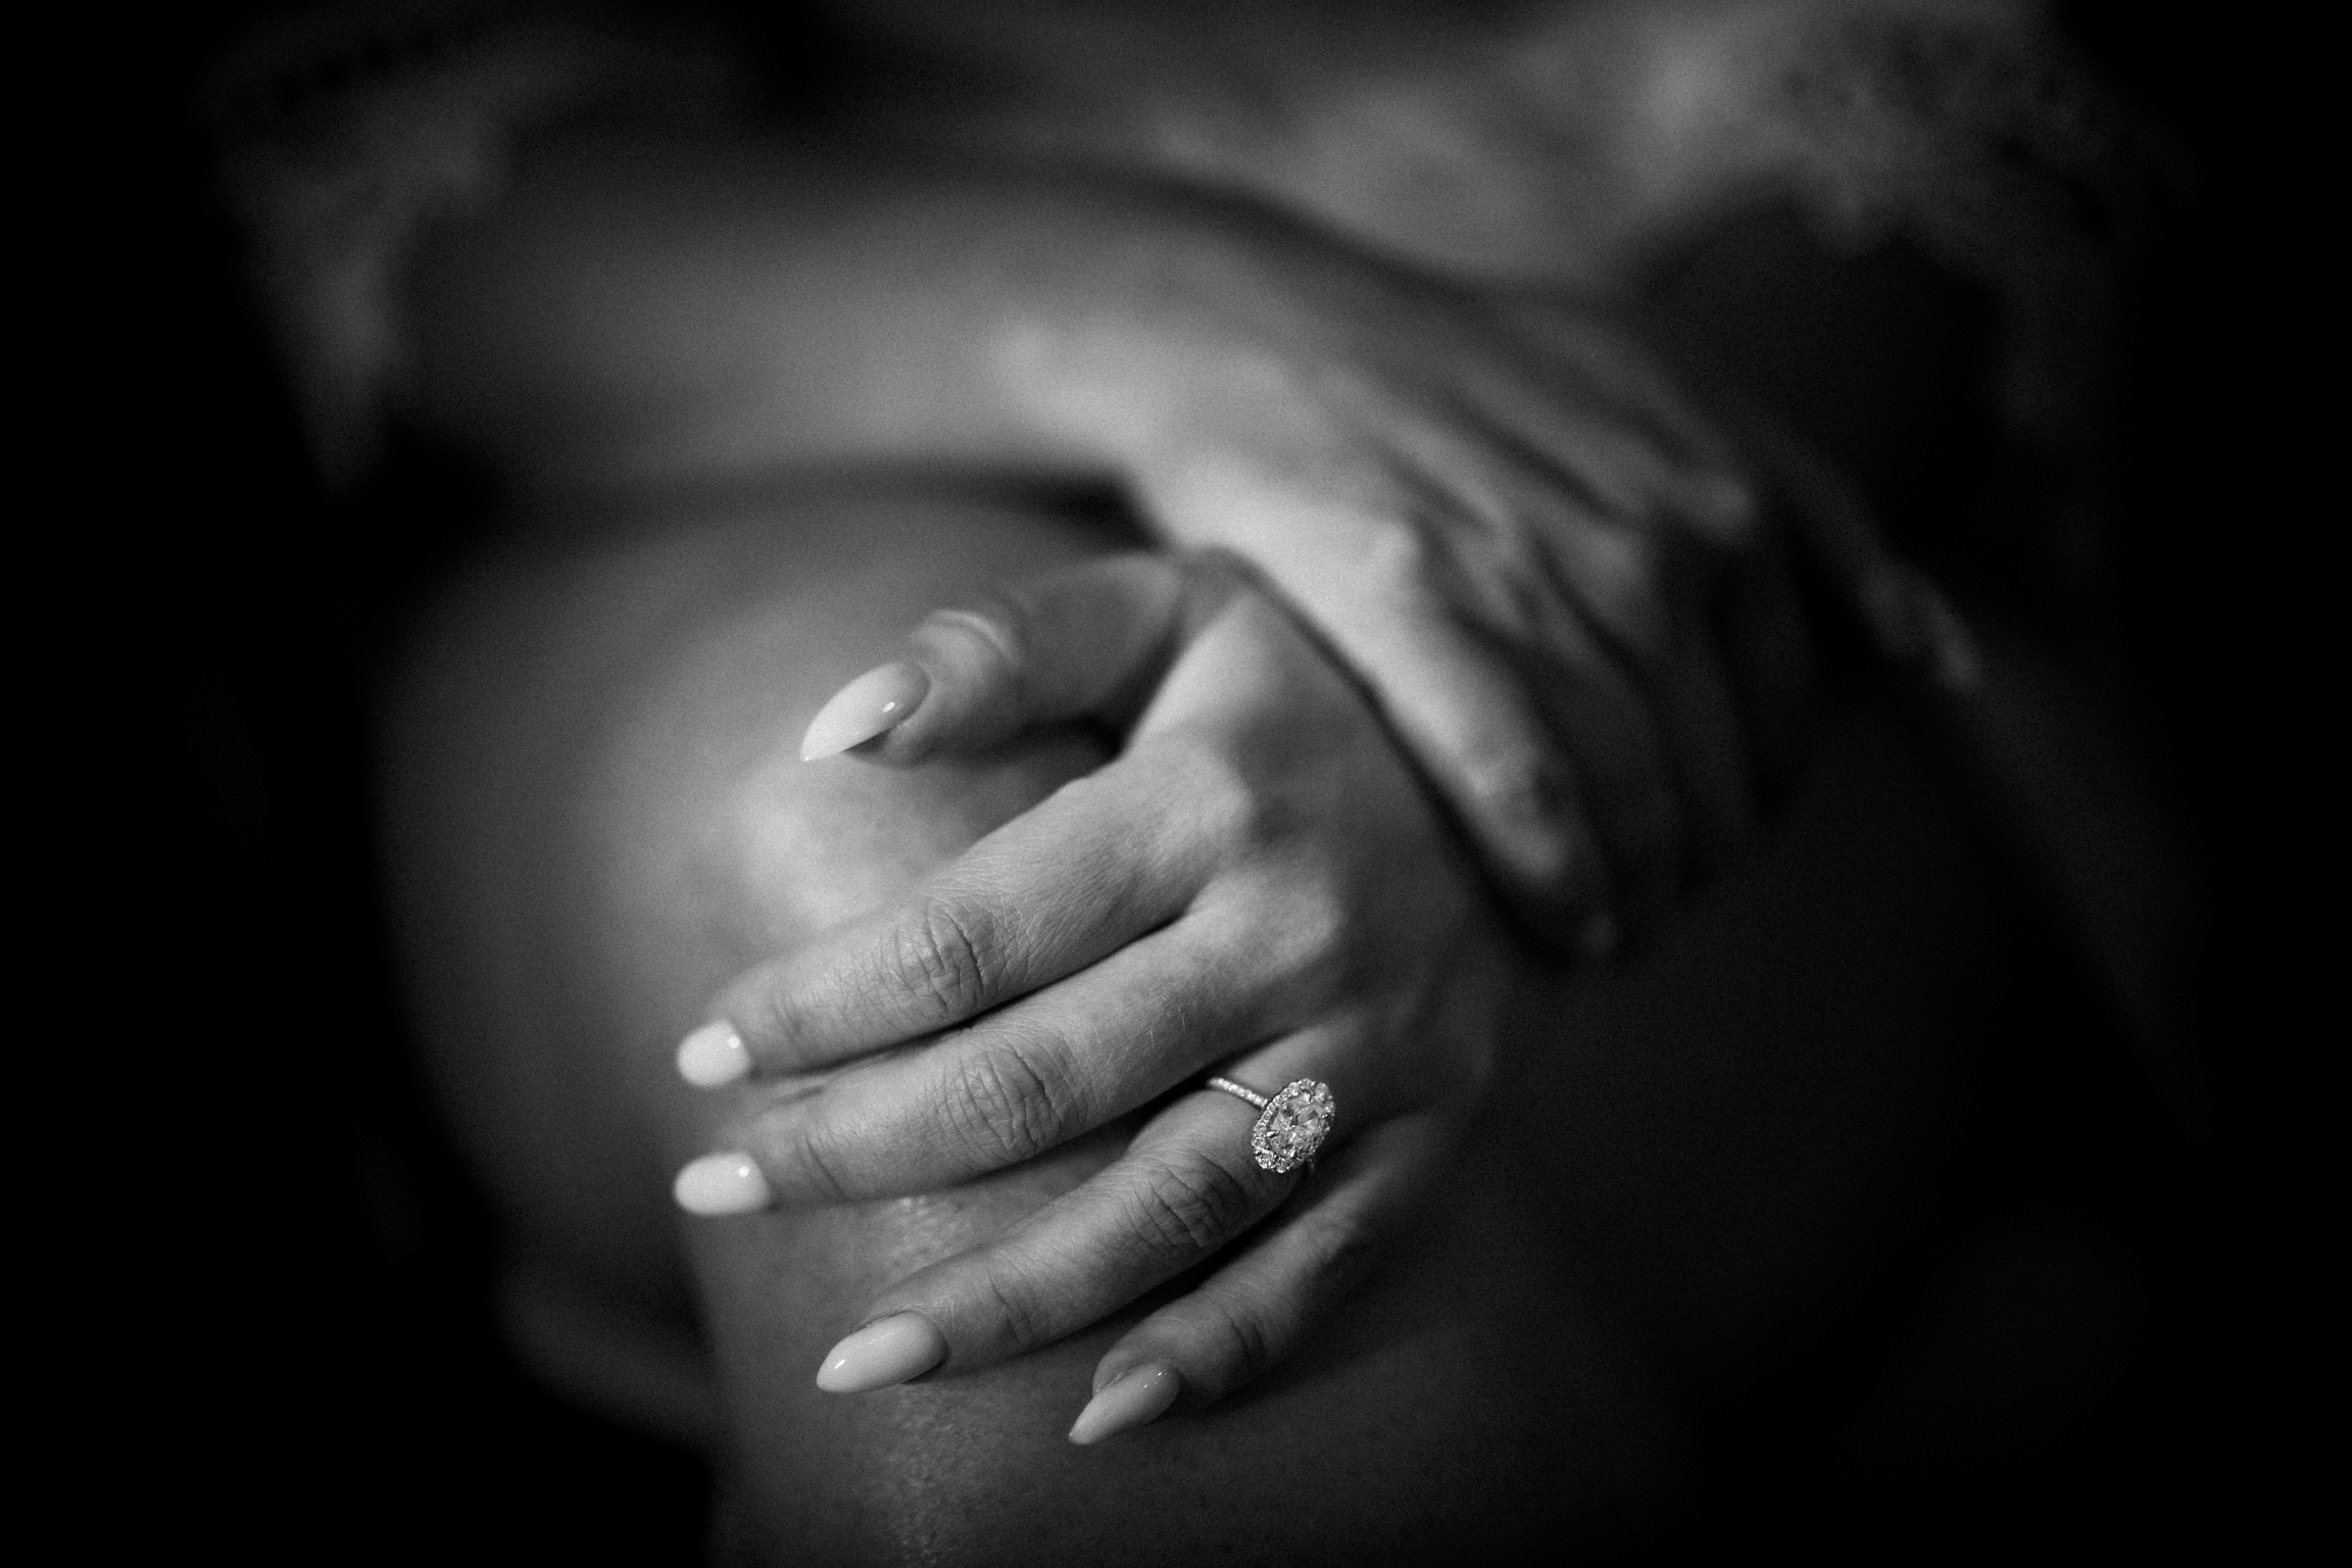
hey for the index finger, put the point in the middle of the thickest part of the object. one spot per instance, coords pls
(1054, 890)
(1075, 643)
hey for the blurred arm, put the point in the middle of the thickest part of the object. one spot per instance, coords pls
(648, 310)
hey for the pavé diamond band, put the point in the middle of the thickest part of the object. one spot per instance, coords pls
(1290, 1126)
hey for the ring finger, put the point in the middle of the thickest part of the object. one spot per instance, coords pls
(1188, 1185)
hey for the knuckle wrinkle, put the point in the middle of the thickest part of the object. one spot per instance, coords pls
(941, 965)
(1003, 1107)
(1192, 1207)
(817, 1171)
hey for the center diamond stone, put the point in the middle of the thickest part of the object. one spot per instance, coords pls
(1292, 1126)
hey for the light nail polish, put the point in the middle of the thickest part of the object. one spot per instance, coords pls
(721, 1183)
(1129, 1400)
(874, 703)
(880, 1355)
(713, 1056)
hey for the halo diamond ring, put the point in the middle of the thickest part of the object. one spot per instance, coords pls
(1290, 1126)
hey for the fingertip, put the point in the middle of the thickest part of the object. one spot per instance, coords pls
(882, 1354)
(1135, 1398)
(713, 1056)
(729, 1183)
(874, 703)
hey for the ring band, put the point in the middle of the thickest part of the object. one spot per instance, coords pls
(1290, 1126)
(1238, 1090)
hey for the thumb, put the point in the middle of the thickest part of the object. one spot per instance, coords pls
(1087, 641)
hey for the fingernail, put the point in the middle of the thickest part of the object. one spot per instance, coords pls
(721, 1183)
(712, 1055)
(1129, 1400)
(880, 1355)
(874, 703)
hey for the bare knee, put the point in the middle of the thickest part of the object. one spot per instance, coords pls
(596, 816)
(1461, 1401)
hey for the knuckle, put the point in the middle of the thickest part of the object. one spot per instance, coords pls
(1532, 818)
(1730, 511)
(994, 628)
(1188, 1205)
(1400, 563)
(1238, 808)
(1517, 787)
(774, 1015)
(1245, 1342)
(1637, 561)
(1322, 922)
(1009, 1298)
(1338, 1254)
(1343, 1251)
(812, 1168)
(1477, 1065)
(1006, 1101)
(1626, 588)
(941, 960)
(1314, 936)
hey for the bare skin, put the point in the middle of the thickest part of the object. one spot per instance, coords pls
(602, 819)
(601, 825)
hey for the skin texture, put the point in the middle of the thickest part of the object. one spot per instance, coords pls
(1550, 577)
(1254, 884)
(1344, 295)
(601, 814)
(1522, 538)
(1515, 537)
(1529, 552)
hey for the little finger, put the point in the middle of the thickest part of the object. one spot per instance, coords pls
(1197, 1176)
(1254, 1311)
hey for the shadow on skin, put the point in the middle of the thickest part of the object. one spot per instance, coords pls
(599, 817)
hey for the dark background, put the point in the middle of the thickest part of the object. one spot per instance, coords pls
(270, 1309)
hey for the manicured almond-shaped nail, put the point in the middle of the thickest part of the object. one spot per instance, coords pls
(882, 1353)
(874, 703)
(713, 1056)
(1132, 1400)
(721, 1183)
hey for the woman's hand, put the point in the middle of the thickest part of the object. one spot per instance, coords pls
(1552, 578)
(1551, 573)
(1257, 886)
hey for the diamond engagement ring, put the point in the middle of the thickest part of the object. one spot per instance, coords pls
(1290, 1126)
